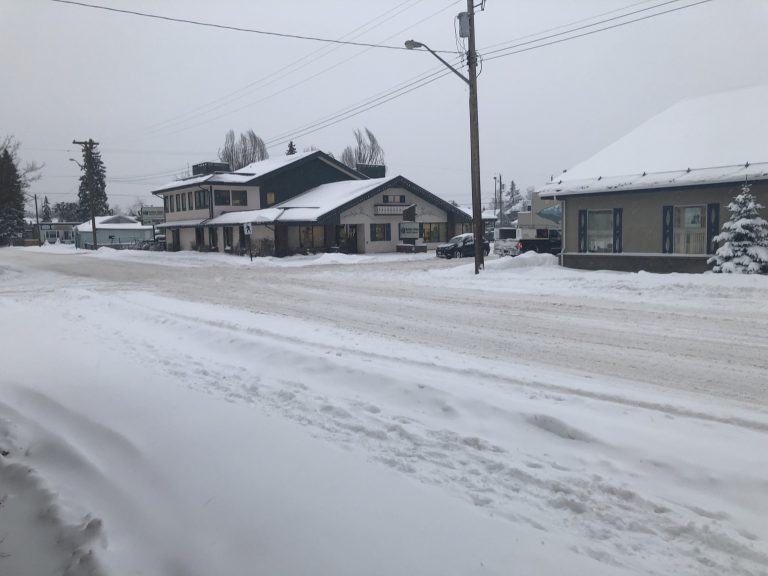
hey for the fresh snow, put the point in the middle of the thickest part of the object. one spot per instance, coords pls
(702, 132)
(200, 414)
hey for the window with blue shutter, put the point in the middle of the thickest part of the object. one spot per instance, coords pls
(582, 230)
(618, 223)
(667, 229)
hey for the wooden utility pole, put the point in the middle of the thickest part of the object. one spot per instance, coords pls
(474, 136)
(89, 145)
(37, 218)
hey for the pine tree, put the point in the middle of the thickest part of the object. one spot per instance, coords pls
(46, 210)
(291, 149)
(744, 239)
(11, 199)
(92, 181)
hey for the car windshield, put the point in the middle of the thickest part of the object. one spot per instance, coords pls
(459, 238)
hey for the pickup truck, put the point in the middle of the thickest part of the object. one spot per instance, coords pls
(461, 246)
(514, 246)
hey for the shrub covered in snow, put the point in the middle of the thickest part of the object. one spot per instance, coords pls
(744, 239)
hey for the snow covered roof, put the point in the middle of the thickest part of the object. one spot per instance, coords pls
(263, 167)
(117, 222)
(316, 202)
(263, 216)
(255, 170)
(181, 223)
(717, 138)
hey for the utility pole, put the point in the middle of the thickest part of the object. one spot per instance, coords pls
(89, 145)
(501, 198)
(474, 136)
(37, 218)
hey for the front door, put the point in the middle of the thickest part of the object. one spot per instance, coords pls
(175, 240)
(346, 238)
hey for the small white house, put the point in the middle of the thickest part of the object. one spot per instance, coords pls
(116, 231)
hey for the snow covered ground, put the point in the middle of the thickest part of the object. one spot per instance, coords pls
(200, 414)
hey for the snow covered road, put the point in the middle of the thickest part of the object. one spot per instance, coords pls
(197, 415)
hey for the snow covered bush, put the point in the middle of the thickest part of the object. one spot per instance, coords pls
(744, 239)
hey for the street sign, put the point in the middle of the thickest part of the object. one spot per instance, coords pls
(247, 228)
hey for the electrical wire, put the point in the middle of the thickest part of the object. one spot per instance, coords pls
(231, 28)
(410, 87)
(506, 51)
(282, 72)
(287, 88)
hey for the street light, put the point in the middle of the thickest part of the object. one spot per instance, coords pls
(474, 132)
(93, 210)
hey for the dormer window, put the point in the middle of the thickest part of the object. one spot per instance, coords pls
(394, 199)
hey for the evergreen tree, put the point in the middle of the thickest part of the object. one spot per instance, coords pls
(744, 239)
(92, 181)
(291, 149)
(66, 211)
(46, 210)
(11, 199)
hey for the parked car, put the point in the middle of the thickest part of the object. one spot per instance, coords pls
(460, 246)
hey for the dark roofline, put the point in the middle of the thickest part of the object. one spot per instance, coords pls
(317, 154)
(402, 182)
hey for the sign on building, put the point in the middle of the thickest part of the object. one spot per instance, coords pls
(247, 228)
(409, 230)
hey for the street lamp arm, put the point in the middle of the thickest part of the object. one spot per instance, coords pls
(411, 44)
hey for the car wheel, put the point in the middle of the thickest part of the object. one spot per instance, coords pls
(459, 254)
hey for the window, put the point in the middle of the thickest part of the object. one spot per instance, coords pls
(221, 198)
(170, 202)
(433, 231)
(542, 233)
(189, 200)
(394, 199)
(600, 231)
(464, 228)
(165, 204)
(312, 237)
(201, 199)
(270, 196)
(178, 203)
(183, 201)
(690, 236)
(239, 198)
(381, 232)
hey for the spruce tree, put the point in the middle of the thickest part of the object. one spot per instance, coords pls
(291, 149)
(744, 239)
(11, 199)
(92, 181)
(46, 210)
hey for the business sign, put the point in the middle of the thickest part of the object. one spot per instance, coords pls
(409, 230)
(151, 215)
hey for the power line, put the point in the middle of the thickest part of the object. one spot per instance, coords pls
(422, 80)
(282, 71)
(396, 93)
(598, 23)
(229, 27)
(283, 90)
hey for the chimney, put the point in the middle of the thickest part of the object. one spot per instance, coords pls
(372, 170)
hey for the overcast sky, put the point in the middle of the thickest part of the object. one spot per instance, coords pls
(160, 96)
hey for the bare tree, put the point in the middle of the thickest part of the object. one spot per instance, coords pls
(240, 152)
(366, 150)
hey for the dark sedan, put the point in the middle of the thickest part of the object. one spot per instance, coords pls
(460, 246)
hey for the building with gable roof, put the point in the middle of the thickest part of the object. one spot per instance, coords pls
(302, 203)
(655, 199)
